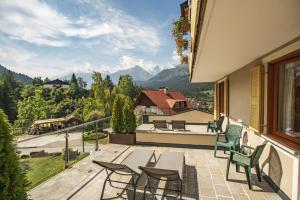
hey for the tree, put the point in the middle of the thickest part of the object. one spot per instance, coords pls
(37, 81)
(73, 80)
(108, 82)
(74, 91)
(127, 87)
(9, 94)
(46, 80)
(92, 110)
(117, 115)
(97, 88)
(81, 83)
(12, 179)
(129, 120)
(33, 108)
(57, 94)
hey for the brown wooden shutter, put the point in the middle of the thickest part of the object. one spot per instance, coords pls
(256, 98)
(226, 97)
(216, 102)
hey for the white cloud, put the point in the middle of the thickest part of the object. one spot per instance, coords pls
(129, 61)
(175, 56)
(38, 23)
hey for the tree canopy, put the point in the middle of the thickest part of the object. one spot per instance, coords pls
(12, 179)
(10, 91)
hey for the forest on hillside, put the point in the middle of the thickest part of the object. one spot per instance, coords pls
(24, 104)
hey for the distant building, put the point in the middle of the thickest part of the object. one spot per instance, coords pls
(194, 102)
(161, 102)
(48, 125)
(56, 84)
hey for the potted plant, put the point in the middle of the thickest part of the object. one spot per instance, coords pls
(123, 121)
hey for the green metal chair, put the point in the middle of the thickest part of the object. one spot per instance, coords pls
(215, 125)
(232, 138)
(246, 161)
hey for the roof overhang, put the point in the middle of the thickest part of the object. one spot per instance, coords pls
(235, 33)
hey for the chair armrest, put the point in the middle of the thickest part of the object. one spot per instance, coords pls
(246, 146)
(239, 153)
(218, 134)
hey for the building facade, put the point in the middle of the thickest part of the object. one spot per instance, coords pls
(251, 50)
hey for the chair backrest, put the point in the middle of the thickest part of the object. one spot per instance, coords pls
(219, 123)
(114, 167)
(233, 131)
(178, 124)
(257, 153)
(160, 124)
(161, 174)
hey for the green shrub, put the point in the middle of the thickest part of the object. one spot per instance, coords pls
(91, 135)
(12, 178)
(73, 154)
(129, 120)
(117, 116)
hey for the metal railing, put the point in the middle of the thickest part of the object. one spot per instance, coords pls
(95, 127)
(161, 111)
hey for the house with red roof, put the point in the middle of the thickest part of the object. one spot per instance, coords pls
(161, 102)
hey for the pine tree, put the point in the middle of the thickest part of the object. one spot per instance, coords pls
(128, 116)
(108, 82)
(74, 80)
(12, 179)
(9, 94)
(117, 116)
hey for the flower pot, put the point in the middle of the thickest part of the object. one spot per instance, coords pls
(121, 138)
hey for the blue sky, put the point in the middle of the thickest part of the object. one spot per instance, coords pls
(52, 38)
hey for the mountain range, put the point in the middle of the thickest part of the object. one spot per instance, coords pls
(18, 76)
(177, 78)
(138, 74)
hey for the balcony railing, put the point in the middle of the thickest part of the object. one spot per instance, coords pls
(160, 111)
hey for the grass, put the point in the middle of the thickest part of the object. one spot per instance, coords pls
(41, 169)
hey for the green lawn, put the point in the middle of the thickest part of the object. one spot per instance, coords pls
(40, 169)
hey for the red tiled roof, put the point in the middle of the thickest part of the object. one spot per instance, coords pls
(178, 95)
(172, 102)
(166, 102)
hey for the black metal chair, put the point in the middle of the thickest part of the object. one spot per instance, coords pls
(128, 167)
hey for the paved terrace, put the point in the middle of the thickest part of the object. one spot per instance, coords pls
(204, 178)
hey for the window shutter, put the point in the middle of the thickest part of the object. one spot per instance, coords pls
(256, 98)
(226, 97)
(216, 102)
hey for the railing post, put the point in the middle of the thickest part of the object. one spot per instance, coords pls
(96, 144)
(67, 150)
(82, 134)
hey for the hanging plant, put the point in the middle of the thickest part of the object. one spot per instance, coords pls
(184, 59)
(180, 28)
(185, 44)
(181, 25)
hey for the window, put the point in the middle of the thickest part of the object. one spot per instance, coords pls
(288, 115)
(284, 99)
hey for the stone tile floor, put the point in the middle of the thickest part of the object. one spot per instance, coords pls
(204, 178)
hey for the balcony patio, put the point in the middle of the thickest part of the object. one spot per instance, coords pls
(204, 177)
